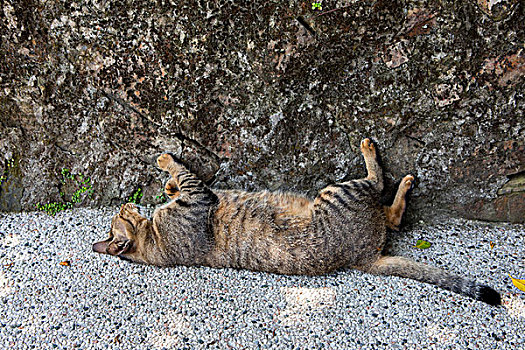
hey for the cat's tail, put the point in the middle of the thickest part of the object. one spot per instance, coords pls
(403, 267)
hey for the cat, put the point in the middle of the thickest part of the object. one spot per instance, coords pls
(345, 226)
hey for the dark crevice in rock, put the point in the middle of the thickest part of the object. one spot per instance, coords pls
(63, 149)
(129, 107)
(198, 145)
(306, 25)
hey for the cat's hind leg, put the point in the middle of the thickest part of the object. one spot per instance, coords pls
(394, 213)
(375, 174)
(372, 184)
(360, 189)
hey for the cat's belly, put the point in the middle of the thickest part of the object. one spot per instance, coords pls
(254, 238)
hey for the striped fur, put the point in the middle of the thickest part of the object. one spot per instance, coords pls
(285, 233)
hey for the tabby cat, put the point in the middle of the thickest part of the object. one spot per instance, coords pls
(343, 227)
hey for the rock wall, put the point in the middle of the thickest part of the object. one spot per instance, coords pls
(264, 95)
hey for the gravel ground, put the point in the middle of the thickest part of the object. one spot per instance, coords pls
(100, 302)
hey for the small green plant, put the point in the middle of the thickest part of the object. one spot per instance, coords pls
(83, 185)
(9, 164)
(136, 196)
(54, 207)
(161, 197)
(317, 5)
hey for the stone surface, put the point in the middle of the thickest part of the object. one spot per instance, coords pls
(263, 95)
(56, 293)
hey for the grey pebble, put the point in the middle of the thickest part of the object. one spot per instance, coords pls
(99, 302)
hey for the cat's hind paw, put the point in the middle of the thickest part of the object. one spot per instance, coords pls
(408, 181)
(368, 148)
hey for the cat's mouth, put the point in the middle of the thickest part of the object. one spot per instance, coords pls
(122, 257)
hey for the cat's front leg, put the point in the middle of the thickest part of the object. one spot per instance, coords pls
(171, 189)
(187, 182)
(167, 163)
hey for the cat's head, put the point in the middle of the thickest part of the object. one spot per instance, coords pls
(122, 241)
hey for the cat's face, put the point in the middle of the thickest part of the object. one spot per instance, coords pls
(121, 241)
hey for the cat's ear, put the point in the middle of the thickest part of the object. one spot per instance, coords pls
(101, 247)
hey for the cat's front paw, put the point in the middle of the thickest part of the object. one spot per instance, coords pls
(171, 188)
(128, 208)
(164, 160)
(367, 148)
